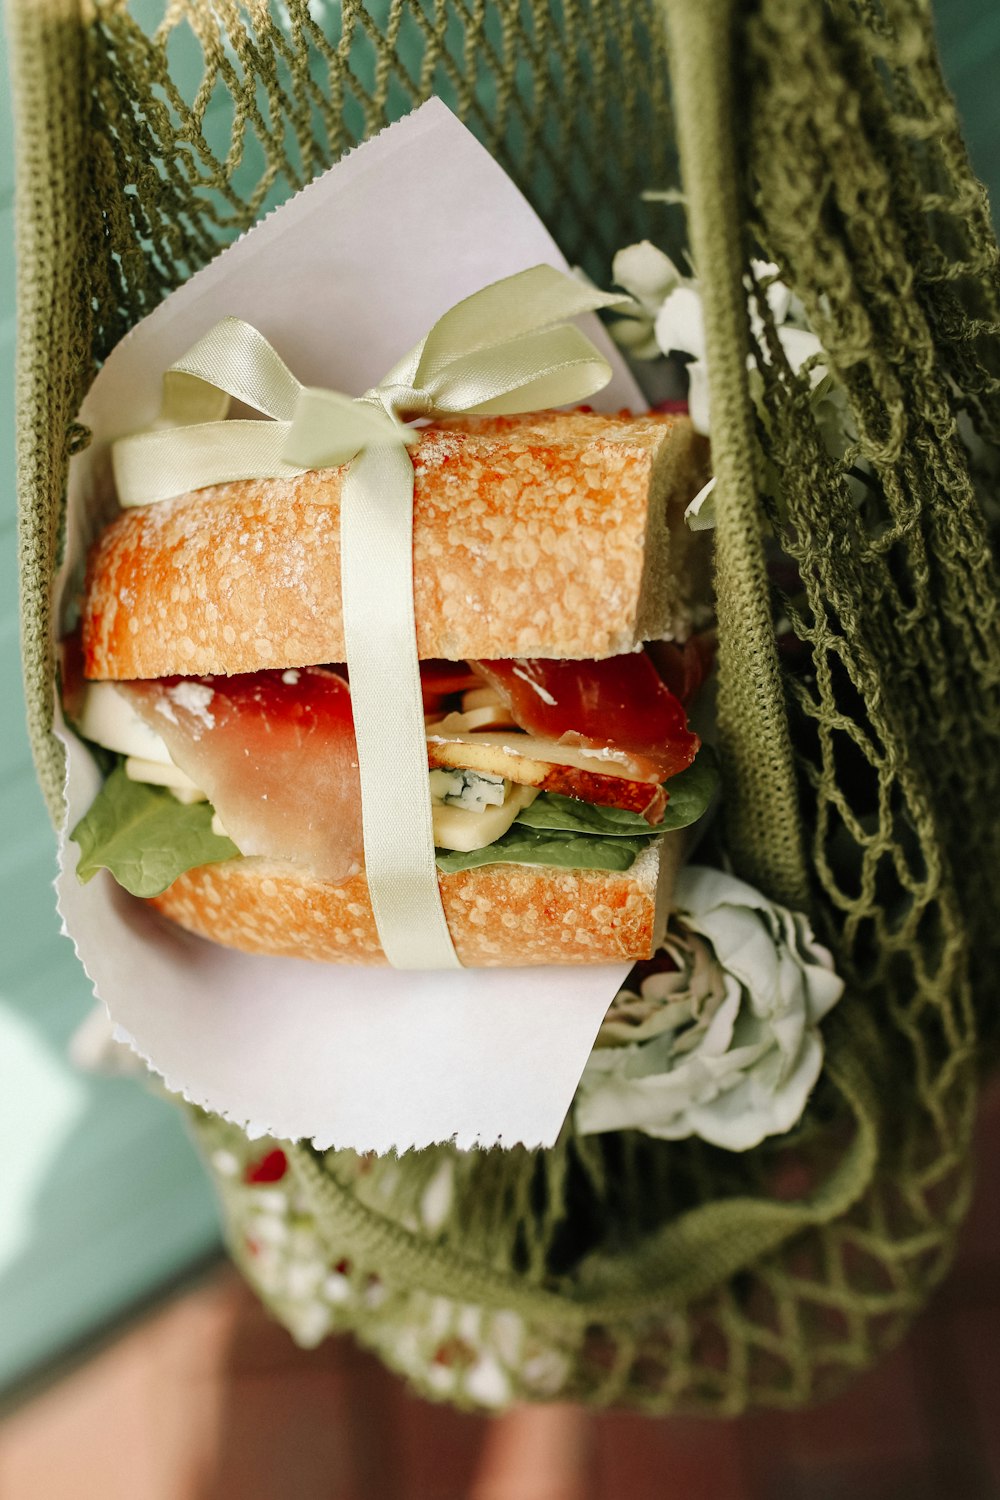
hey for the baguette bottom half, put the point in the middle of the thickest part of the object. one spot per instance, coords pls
(499, 916)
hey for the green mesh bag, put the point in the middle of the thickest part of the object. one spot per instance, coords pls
(664, 1276)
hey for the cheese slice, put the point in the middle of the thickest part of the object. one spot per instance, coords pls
(455, 828)
(171, 776)
(108, 719)
(521, 757)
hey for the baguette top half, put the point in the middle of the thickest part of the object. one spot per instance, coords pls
(553, 535)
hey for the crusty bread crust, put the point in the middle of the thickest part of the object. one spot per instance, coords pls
(499, 916)
(557, 535)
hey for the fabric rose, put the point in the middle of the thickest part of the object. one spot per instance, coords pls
(719, 1035)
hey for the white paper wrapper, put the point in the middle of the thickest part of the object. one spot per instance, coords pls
(343, 280)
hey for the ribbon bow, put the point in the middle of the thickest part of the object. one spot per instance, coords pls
(503, 350)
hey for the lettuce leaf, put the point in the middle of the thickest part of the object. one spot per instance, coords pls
(535, 846)
(575, 835)
(145, 837)
(690, 793)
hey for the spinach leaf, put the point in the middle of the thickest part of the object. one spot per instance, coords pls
(145, 837)
(690, 793)
(565, 850)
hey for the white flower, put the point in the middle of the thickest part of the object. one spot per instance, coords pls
(698, 407)
(646, 274)
(833, 414)
(725, 1045)
(776, 294)
(700, 513)
(801, 344)
(668, 319)
(649, 277)
(680, 323)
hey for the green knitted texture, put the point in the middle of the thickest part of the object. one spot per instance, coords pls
(861, 786)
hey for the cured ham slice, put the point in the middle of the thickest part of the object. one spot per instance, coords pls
(684, 665)
(619, 707)
(441, 680)
(275, 754)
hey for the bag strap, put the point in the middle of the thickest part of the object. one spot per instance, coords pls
(763, 826)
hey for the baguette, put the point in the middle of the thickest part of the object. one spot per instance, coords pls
(499, 916)
(554, 535)
(557, 535)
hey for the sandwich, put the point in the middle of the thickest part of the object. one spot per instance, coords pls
(548, 550)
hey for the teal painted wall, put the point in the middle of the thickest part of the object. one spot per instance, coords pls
(969, 38)
(101, 1197)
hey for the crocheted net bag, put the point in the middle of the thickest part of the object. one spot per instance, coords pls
(862, 788)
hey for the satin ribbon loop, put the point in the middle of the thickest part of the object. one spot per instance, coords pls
(507, 310)
(328, 429)
(234, 361)
(554, 367)
(505, 349)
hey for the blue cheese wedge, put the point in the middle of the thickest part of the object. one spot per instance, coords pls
(457, 828)
(470, 790)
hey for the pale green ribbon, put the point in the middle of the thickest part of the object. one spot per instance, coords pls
(505, 349)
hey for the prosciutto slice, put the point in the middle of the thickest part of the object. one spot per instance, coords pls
(619, 708)
(684, 667)
(442, 680)
(274, 753)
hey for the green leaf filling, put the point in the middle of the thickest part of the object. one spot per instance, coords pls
(575, 835)
(533, 846)
(689, 794)
(145, 837)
